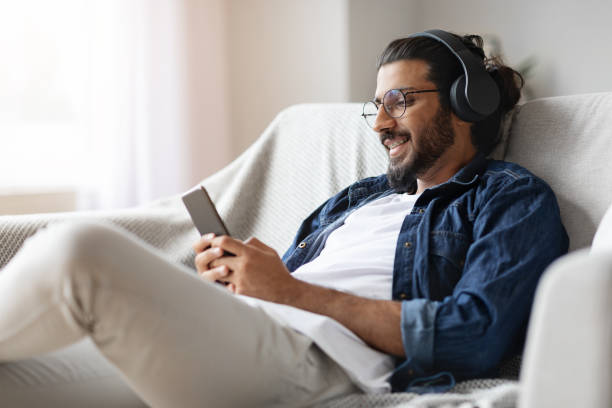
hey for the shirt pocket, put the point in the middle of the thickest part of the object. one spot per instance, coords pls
(446, 258)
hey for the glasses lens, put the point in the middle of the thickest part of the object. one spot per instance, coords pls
(394, 103)
(369, 113)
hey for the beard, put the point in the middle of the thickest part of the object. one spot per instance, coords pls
(435, 139)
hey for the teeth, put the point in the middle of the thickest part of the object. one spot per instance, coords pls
(402, 141)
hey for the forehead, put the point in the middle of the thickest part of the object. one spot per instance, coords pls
(402, 74)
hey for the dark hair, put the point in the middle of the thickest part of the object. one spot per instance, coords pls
(444, 68)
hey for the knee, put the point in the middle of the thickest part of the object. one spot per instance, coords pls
(60, 255)
(71, 242)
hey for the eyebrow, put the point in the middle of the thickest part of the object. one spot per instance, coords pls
(404, 88)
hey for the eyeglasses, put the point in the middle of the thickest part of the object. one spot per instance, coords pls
(394, 101)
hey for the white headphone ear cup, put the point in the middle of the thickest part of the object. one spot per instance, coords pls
(459, 103)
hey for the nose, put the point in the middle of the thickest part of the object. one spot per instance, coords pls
(383, 121)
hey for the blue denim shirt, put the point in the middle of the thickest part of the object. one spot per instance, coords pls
(467, 261)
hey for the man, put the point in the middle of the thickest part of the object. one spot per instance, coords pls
(472, 243)
(406, 281)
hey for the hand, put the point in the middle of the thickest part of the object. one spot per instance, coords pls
(256, 269)
(205, 254)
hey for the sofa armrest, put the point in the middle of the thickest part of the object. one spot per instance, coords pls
(568, 355)
(163, 224)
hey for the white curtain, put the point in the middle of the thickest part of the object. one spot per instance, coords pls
(137, 126)
(103, 96)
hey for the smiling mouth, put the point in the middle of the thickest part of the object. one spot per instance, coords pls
(399, 142)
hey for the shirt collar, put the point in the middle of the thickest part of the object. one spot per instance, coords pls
(366, 187)
(471, 171)
(468, 175)
(465, 177)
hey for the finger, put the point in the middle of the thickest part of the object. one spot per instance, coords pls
(203, 259)
(256, 243)
(231, 287)
(203, 243)
(230, 244)
(232, 262)
(219, 273)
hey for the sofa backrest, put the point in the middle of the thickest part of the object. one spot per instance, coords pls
(567, 141)
(309, 152)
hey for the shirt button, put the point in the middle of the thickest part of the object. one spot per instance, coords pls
(403, 296)
(302, 245)
(407, 244)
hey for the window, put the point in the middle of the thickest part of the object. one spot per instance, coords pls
(43, 97)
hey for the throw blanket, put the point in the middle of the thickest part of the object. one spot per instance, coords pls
(307, 154)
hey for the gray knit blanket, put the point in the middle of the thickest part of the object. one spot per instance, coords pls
(307, 154)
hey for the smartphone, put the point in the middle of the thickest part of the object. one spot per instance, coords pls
(203, 212)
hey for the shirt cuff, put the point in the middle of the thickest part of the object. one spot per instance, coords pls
(418, 327)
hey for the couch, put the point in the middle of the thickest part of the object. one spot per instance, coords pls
(311, 151)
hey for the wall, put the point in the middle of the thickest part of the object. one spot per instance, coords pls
(371, 26)
(283, 52)
(18, 201)
(207, 76)
(570, 39)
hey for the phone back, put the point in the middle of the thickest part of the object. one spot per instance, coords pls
(203, 212)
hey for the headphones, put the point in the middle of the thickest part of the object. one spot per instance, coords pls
(474, 95)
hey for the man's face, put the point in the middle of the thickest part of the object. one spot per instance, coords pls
(418, 139)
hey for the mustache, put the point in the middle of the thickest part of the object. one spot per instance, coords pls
(390, 135)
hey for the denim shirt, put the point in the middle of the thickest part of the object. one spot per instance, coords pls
(467, 261)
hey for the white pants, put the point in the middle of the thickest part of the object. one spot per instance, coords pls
(177, 340)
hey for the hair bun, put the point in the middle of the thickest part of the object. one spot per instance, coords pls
(509, 81)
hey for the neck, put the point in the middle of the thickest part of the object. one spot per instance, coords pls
(446, 167)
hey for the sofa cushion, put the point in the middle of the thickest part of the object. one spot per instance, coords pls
(567, 141)
(602, 242)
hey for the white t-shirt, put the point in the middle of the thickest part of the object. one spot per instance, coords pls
(357, 258)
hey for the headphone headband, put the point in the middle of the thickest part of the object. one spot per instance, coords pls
(474, 95)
